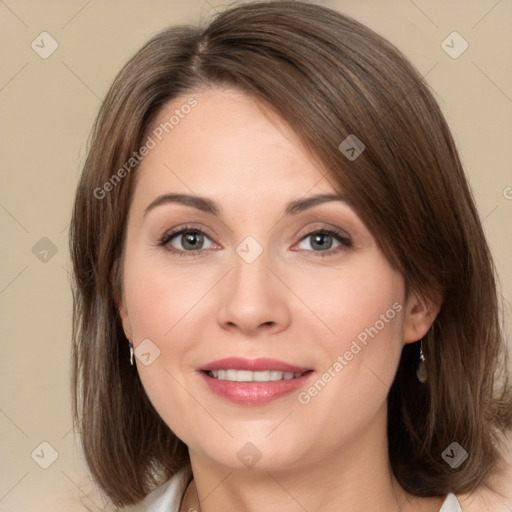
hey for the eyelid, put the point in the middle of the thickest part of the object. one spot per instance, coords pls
(169, 234)
(165, 239)
(343, 238)
(325, 227)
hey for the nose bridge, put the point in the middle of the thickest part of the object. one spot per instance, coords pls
(251, 274)
(252, 296)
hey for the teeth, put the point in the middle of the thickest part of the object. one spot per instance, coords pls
(248, 376)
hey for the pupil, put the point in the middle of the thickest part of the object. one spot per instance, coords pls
(319, 241)
(192, 241)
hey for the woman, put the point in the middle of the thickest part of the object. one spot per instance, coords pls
(284, 299)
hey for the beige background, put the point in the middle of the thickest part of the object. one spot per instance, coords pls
(47, 107)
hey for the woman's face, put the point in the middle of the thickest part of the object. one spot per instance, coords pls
(248, 266)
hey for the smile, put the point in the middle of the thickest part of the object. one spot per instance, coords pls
(249, 376)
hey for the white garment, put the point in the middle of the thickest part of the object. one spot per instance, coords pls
(166, 498)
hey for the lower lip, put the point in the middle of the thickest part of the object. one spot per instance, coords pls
(254, 393)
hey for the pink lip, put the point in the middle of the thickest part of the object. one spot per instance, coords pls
(254, 393)
(253, 365)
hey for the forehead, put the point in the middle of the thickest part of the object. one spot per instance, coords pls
(227, 143)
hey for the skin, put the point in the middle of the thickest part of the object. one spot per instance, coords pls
(291, 304)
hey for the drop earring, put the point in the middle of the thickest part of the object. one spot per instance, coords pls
(421, 372)
(131, 352)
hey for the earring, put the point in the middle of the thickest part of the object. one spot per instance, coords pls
(131, 352)
(421, 372)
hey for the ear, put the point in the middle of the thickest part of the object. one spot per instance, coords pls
(120, 300)
(123, 314)
(419, 316)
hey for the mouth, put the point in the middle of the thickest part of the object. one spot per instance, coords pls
(253, 381)
(234, 375)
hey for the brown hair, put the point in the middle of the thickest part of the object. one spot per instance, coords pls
(328, 76)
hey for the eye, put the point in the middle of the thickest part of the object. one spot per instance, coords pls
(323, 241)
(189, 241)
(186, 240)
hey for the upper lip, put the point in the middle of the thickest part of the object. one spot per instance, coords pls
(254, 365)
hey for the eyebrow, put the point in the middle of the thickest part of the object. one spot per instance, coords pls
(208, 206)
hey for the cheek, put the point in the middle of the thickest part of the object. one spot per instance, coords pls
(354, 302)
(362, 309)
(164, 306)
(159, 300)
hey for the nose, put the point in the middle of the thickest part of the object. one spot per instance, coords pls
(253, 300)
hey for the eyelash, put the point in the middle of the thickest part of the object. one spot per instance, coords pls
(345, 243)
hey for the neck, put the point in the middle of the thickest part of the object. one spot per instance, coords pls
(355, 477)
